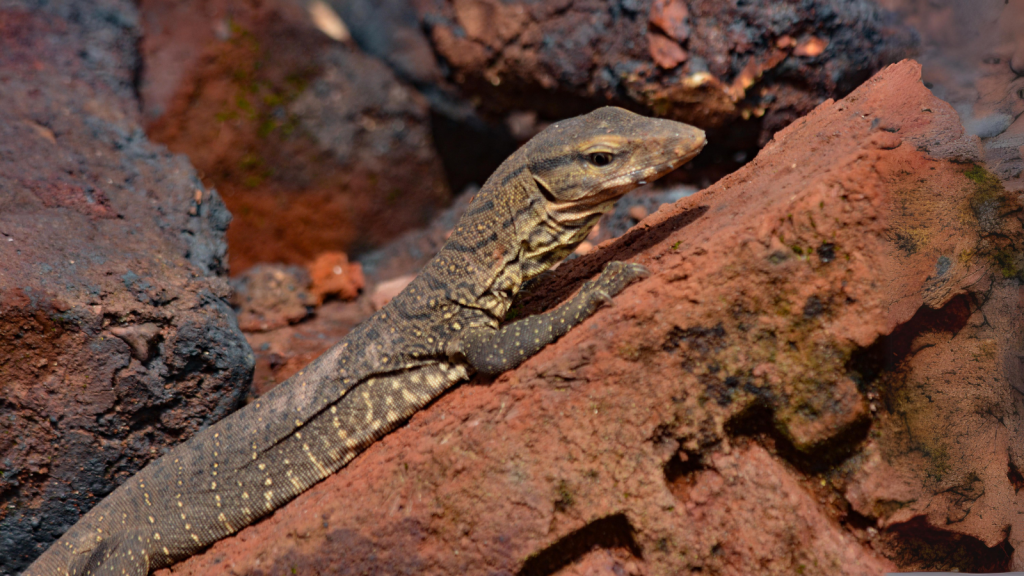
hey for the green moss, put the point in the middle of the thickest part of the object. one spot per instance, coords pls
(266, 127)
(910, 240)
(252, 181)
(565, 497)
(250, 161)
(1007, 261)
(259, 98)
(988, 203)
(987, 187)
(782, 306)
(979, 175)
(938, 456)
(242, 103)
(629, 352)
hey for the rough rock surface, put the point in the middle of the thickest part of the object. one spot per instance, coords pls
(313, 144)
(115, 337)
(706, 62)
(973, 58)
(269, 296)
(333, 276)
(818, 378)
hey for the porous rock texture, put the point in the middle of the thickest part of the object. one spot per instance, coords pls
(269, 296)
(973, 58)
(821, 376)
(313, 144)
(116, 340)
(706, 62)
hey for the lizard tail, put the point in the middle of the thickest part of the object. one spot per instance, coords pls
(112, 556)
(115, 557)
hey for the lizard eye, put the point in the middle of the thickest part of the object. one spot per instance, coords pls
(600, 159)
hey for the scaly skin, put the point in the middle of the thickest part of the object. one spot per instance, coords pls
(532, 212)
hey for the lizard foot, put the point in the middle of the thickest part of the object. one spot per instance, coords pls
(614, 279)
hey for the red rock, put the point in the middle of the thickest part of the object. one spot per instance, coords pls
(333, 275)
(282, 352)
(973, 58)
(405, 255)
(665, 52)
(141, 338)
(490, 21)
(638, 213)
(585, 247)
(314, 145)
(672, 17)
(715, 416)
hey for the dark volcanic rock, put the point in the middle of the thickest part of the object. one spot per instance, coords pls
(707, 62)
(115, 337)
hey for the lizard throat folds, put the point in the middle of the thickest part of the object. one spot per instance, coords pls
(578, 213)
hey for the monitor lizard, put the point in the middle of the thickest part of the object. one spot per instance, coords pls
(447, 324)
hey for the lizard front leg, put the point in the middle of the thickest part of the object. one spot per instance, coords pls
(494, 350)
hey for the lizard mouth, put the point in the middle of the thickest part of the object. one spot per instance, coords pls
(576, 212)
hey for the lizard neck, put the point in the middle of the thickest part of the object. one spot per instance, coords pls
(510, 234)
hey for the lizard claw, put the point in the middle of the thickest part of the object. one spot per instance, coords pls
(604, 298)
(639, 270)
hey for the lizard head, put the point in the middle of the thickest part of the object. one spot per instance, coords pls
(579, 167)
(582, 165)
